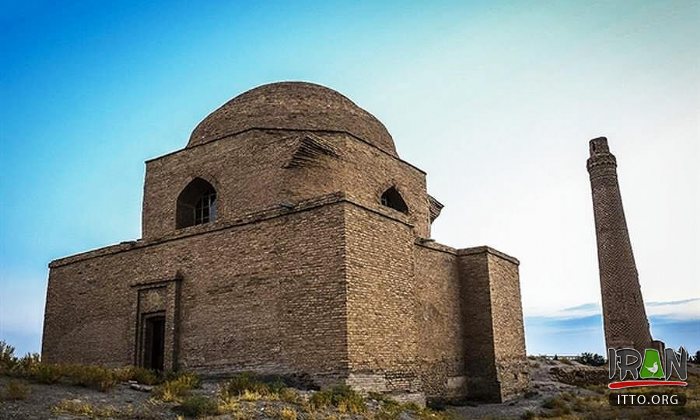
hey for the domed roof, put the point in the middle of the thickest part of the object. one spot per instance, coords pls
(295, 106)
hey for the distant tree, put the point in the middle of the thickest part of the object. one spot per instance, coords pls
(556, 357)
(591, 359)
(695, 359)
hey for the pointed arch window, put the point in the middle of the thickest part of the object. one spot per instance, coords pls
(392, 198)
(196, 204)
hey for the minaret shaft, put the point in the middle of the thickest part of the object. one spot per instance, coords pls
(624, 316)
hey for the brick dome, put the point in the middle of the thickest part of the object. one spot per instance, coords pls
(295, 106)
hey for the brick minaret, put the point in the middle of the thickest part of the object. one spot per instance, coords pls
(624, 317)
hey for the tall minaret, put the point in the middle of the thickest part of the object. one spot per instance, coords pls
(624, 317)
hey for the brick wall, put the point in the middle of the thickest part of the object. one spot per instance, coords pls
(249, 172)
(382, 333)
(246, 172)
(441, 327)
(330, 288)
(268, 296)
(508, 328)
(367, 172)
(495, 355)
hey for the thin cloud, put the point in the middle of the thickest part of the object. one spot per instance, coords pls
(681, 310)
(673, 302)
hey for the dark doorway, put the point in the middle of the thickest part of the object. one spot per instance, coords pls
(153, 342)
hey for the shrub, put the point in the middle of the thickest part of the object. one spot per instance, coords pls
(7, 357)
(289, 395)
(579, 405)
(389, 409)
(551, 403)
(176, 389)
(15, 390)
(557, 405)
(123, 374)
(244, 382)
(29, 361)
(11, 365)
(341, 397)
(251, 396)
(228, 404)
(276, 384)
(45, 373)
(287, 413)
(591, 359)
(144, 376)
(190, 379)
(95, 377)
(197, 406)
(321, 399)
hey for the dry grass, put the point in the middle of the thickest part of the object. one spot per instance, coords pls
(569, 405)
(100, 378)
(138, 374)
(176, 389)
(287, 413)
(80, 408)
(251, 396)
(94, 377)
(15, 390)
(290, 395)
(229, 405)
(344, 399)
(239, 396)
(251, 383)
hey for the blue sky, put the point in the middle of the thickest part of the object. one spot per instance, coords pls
(570, 330)
(495, 100)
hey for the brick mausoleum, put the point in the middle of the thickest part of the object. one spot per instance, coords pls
(289, 238)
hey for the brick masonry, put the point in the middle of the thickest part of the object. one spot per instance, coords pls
(304, 271)
(624, 318)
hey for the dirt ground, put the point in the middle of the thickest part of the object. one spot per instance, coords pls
(545, 388)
